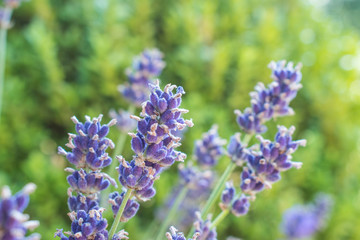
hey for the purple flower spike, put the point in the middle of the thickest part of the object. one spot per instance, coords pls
(86, 225)
(210, 148)
(228, 195)
(264, 167)
(273, 101)
(131, 207)
(203, 228)
(145, 68)
(14, 224)
(88, 146)
(240, 206)
(88, 183)
(175, 235)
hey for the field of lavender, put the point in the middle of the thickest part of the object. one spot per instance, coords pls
(225, 119)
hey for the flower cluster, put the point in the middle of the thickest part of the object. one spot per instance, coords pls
(14, 224)
(145, 68)
(264, 166)
(303, 221)
(88, 151)
(273, 101)
(153, 144)
(239, 205)
(88, 146)
(210, 148)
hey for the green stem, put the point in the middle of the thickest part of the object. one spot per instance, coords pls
(119, 213)
(217, 190)
(170, 216)
(3, 33)
(219, 218)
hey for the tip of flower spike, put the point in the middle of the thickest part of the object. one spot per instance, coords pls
(121, 235)
(5, 192)
(31, 225)
(74, 119)
(29, 188)
(112, 122)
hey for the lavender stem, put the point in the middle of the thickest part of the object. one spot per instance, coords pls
(119, 213)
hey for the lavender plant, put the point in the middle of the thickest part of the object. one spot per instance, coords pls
(88, 154)
(144, 69)
(14, 224)
(153, 144)
(262, 164)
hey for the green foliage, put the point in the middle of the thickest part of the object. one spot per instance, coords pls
(67, 57)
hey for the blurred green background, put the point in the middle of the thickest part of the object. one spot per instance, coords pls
(67, 57)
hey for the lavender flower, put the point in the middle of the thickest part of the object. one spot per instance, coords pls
(153, 144)
(227, 195)
(14, 224)
(264, 167)
(240, 206)
(302, 221)
(89, 145)
(85, 225)
(145, 68)
(237, 150)
(175, 235)
(123, 120)
(271, 102)
(131, 206)
(81, 202)
(209, 149)
(88, 183)
(203, 228)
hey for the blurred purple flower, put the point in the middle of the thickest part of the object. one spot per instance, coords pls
(303, 221)
(145, 67)
(14, 224)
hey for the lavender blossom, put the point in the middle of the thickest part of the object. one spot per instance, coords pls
(240, 206)
(227, 195)
(89, 145)
(123, 120)
(81, 202)
(175, 235)
(85, 225)
(303, 221)
(203, 228)
(210, 148)
(153, 144)
(145, 68)
(14, 224)
(88, 183)
(237, 150)
(131, 206)
(264, 167)
(273, 101)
